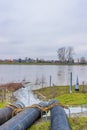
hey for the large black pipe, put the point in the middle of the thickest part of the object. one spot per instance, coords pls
(59, 120)
(6, 113)
(23, 120)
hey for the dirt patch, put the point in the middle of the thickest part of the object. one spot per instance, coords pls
(12, 86)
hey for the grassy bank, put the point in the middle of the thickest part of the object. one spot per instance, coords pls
(3, 104)
(62, 93)
(73, 99)
(41, 126)
(38, 63)
(77, 123)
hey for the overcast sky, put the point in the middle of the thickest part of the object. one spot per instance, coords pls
(37, 28)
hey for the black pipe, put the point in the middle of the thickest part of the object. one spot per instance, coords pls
(59, 120)
(23, 120)
(6, 113)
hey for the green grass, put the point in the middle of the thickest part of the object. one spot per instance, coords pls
(77, 123)
(41, 126)
(3, 104)
(62, 93)
(73, 99)
(51, 92)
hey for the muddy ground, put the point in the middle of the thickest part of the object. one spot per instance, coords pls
(12, 86)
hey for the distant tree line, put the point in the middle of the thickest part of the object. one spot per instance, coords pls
(65, 56)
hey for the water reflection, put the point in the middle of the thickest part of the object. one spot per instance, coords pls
(60, 74)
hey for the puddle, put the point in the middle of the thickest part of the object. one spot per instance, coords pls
(75, 110)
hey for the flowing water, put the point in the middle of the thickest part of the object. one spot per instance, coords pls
(26, 96)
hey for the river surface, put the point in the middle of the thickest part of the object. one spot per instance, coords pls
(43, 74)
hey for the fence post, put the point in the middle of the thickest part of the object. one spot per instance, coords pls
(50, 80)
(71, 82)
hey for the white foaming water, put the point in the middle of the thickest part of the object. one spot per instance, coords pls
(26, 96)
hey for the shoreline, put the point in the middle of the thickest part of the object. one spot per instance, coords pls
(42, 63)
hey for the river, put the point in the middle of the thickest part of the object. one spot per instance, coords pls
(36, 74)
(43, 74)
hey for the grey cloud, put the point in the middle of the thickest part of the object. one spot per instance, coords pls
(38, 28)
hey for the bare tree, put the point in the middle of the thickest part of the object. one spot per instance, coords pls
(65, 55)
(61, 54)
(69, 54)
